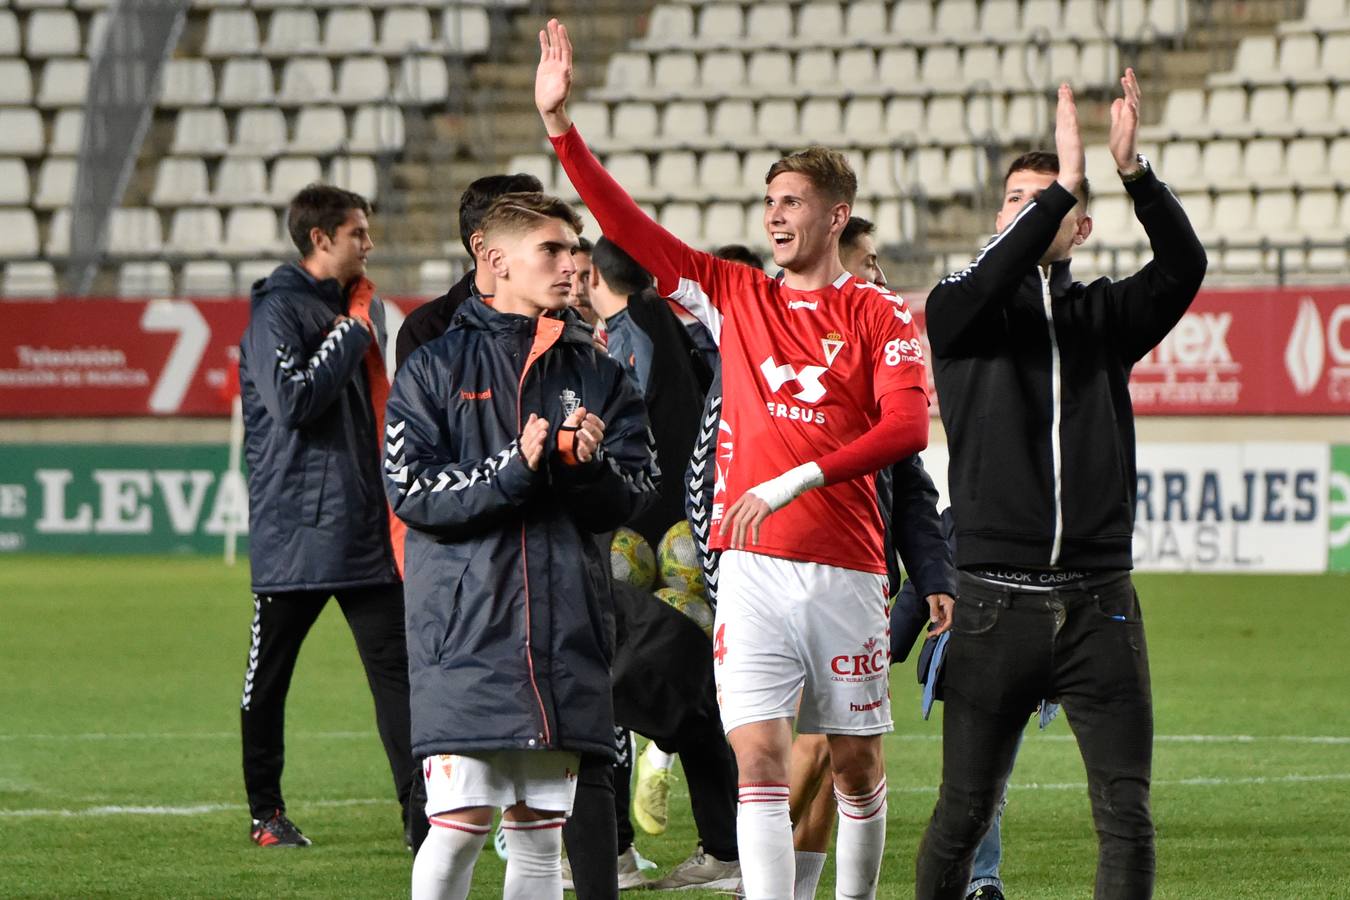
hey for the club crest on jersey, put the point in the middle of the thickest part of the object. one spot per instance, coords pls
(570, 401)
(832, 343)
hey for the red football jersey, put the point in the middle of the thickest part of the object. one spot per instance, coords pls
(802, 373)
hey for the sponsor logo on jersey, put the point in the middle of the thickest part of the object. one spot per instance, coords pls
(869, 665)
(802, 304)
(832, 343)
(807, 379)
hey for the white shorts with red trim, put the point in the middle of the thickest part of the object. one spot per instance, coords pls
(544, 780)
(788, 630)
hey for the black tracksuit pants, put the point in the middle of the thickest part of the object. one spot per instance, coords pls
(599, 828)
(1083, 646)
(280, 624)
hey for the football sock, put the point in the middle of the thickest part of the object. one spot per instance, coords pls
(809, 866)
(862, 838)
(658, 757)
(764, 834)
(443, 869)
(534, 860)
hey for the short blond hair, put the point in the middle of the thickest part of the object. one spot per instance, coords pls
(827, 169)
(519, 213)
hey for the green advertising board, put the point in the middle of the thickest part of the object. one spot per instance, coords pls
(1338, 510)
(119, 498)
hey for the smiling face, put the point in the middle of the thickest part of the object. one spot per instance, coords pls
(802, 224)
(534, 267)
(1025, 185)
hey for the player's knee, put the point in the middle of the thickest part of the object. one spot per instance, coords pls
(857, 764)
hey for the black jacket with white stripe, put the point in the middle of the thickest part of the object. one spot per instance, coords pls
(509, 613)
(317, 516)
(1032, 372)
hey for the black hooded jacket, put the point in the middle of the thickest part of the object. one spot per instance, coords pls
(509, 612)
(1032, 372)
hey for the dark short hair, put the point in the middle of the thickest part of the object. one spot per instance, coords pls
(1047, 163)
(741, 254)
(321, 206)
(478, 197)
(621, 272)
(855, 228)
(584, 245)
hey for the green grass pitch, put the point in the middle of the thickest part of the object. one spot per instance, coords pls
(120, 773)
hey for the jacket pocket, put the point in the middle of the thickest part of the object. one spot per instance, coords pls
(311, 491)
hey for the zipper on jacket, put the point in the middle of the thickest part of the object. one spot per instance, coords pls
(546, 333)
(1056, 400)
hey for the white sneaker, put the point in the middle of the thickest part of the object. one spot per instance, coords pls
(701, 871)
(630, 870)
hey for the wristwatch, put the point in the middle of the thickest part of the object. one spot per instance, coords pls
(1138, 173)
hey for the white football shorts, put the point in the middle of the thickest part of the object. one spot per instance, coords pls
(541, 779)
(787, 630)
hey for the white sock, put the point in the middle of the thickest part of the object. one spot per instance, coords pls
(658, 757)
(809, 866)
(862, 838)
(443, 869)
(764, 834)
(534, 860)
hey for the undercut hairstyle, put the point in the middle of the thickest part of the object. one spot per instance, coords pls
(621, 272)
(479, 195)
(827, 169)
(584, 245)
(1046, 163)
(855, 228)
(741, 254)
(321, 206)
(514, 214)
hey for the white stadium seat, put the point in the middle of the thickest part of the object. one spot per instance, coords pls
(356, 173)
(377, 129)
(65, 82)
(293, 32)
(246, 81)
(674, 174)
(240, 179)
(14, 187)
(55, 183)
(364, 79)
(33, 278)
(404, 30)
(261, 131)
(52, 32)
(724, 222)
(68, 132)
(187, 82)
(319, 131)
(349, 31)
(9, 34)
(467, 30)
(16, 83)
(721, 72)
(422, 80)
(721, 25)
(251, 270)
(289, 175)
(145, 279)
(305, 81)
(180, 181)
(628, 73)
(200, 132)
(231, 32)
(134, 231)
(195, 232)
(207, 278)
(768, 24)
(676, 72)
(250, 231)
(864, 20)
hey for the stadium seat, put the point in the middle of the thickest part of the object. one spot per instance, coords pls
(1081, 20)
(365, 79)
(260, 131)
(721, 73)
(349, 31)
(904, 119)
(675, 175)
(676, 73)
(1221, 165)
(766, 25)
(289, 175)
(1305, 167)
(1255, 63)
(1311, 113)
(68, 132)
(356, 173)
(422, 80)
(591, 120)
(231, 32)
(404, 31)
(434, 275)
(632, 170)
(754, 168)
(911, 17)
(1315, 216)
(1232, 216)
(720, 25)
(207, 278)
(319, 131)
(14, 187)
(1226, 113)
(821, 121)
(724, 222)
(817, 22)
(1338, 162)
(55, 183)
(628, 74)
(250, 231)
(985, 114)
(293, 31)
(1027, 116)
(1168, 17)
(777, 120)
(466, 30)
(864, 21)
(134, 232)
(941, 65)
(305, 81)
(685, 221)
(895, 221)
(96, 34)
(857, 68)
(145, 279)
(635, 124)
(9, 34)
(32, 278)
(1127, 19)
(898, 67)
(1043, 20)
(930, 173)
(246, 82)
(769, 71)
(195, 231)
(719, 175)
(1262, 167)
(1335, 58)
(377, 129)
(64, 82)
(1299, 58)
(980, 66)
(1021, 67)
(1000, 20)
(187, 82)
(945, 120)
(956, 19)
(16, 83)
(197, 132)
(57, 243)
(965, 169)
(52, 32)
(180, 181)
(251, 270)
(537, 164)
(883, 173)
(1099, 64)
(669, 26)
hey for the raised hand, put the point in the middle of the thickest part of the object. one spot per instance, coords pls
(1068, 142)
(532, 441)
(553, 78)
(1125, 125)
(590, 433)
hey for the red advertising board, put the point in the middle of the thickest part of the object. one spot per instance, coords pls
(1236, 352)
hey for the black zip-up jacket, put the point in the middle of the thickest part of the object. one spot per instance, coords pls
(1032, 372)
(509, 612)
(317, 516)
(432, 319)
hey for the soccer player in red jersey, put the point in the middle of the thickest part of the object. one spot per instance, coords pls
(824, 385)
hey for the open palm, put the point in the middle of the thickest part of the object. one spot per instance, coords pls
(1125, 123)
(553, 79)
